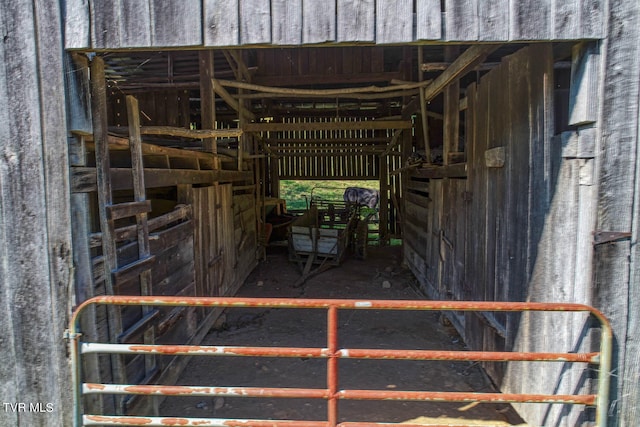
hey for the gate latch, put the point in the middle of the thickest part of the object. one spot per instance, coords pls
(601, 237)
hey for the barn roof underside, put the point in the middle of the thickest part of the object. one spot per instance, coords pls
(315, 81)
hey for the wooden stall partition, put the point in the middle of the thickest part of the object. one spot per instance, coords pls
(501, 235)
(225, 239)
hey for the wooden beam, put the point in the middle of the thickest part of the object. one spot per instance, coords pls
(458, 170)
(220, 90)
(290, 142)
(242, 68)
(451, 110)
(323, 92)
(208, 100)
(359, 125)
(327, 79)
(466, 62)
(190, 133)
(83, 179)
(332, 97)
(423, 112)
(117, 143)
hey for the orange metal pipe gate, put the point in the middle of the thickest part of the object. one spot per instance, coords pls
(333, 354)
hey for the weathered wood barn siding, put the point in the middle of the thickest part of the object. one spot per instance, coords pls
(541, 215)
(36, 278)
(513, 227)
(211, 23)
(558, 220)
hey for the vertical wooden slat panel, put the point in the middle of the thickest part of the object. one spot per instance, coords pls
(286, 21)
(34, 249)
(583, 92)
(356, 20)
(255, 22)
(221, 23)
(529, 20)
(461, 20)
(470, 148)
(318, 21)
(394, 21)
(429, 20)
(493, 20)
(176, 22)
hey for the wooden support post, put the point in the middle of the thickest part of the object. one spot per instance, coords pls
(144, 249)
(423, 111)
(274, 176)
(384, 200)
(105, 198)
(85, 283)
(208, 101)
(464, 63)
(451, 109)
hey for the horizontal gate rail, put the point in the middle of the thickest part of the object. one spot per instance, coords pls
(333, 354)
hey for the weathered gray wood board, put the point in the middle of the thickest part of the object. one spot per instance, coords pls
(287, 22)
(35, 234)
(115, 25)
(617, 203)
(319, 21)
(501, 234)
(221, 22)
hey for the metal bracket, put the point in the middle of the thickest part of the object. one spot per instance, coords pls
(601, 237)
(67, 335)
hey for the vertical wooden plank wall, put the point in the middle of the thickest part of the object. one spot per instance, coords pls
(394, 20)
(225, 237)
(247, 22)
(255, 22)
(514, 228)
(616, 171)
(35, 234)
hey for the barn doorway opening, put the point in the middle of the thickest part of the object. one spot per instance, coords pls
(226, 132)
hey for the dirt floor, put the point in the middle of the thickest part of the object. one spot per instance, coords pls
(380, 276)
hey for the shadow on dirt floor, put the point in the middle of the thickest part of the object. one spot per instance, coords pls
(380, 276)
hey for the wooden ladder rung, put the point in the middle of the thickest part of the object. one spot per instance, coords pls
(139, 327)
(124, 210)
(130, 271)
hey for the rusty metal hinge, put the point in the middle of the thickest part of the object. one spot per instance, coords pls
(601, 237)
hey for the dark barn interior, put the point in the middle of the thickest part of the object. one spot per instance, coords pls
(190, 147)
